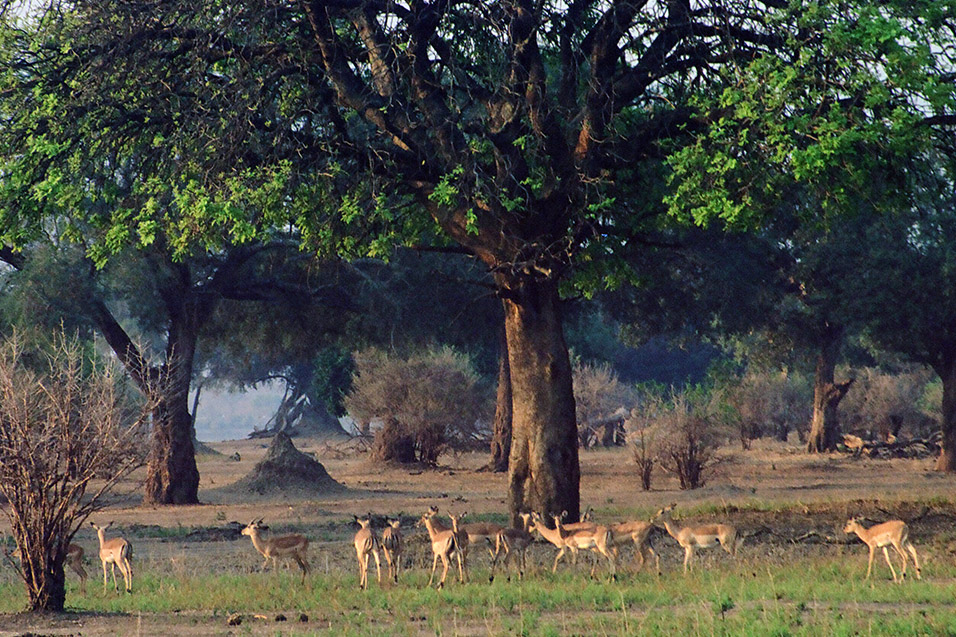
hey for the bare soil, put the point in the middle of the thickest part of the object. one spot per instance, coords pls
(774, 492)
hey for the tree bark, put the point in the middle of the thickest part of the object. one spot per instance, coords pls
(172, 476)
(544, 474)
(827, 394)
(47, 593)
(947, 454)
(501, 437)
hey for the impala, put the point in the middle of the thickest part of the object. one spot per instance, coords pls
(461, 538)
(704, 536)
(392, 546)
(366, 543)
(599, 539)
(638, 531)
(444, 545)
(478, 531)
(511, 540)
(893, 533)
(73, 559)
(569, 541)
(284, 547)
(115, 552)
(586, 523)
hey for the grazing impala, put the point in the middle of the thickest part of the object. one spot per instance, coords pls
(366, 543)
(115, 552)
(704, 536)
(284, 547)
(893, 533)
(444, 545)
(392, 546)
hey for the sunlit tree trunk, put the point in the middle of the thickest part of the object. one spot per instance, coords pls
(827, 394)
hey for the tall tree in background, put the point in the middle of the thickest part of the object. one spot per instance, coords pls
(522, 132)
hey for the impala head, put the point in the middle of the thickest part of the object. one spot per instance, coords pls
(363, 522)
(253, 527)
(455, 519)
(665, 512)
(101, 528)
(851, 525)
(427, 515)
(395, 523)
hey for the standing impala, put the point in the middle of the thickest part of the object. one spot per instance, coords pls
(639, 532)
(704, 536)
(115, 552)
(284, 547)
(599, 539)
(444, 545)
(392, 546)
(513, 541)
(893, 533)
(366, 543)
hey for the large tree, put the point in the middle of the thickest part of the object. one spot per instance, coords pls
(522, 132)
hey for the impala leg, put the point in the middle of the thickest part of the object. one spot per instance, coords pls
(869, 566)
(912, 550)
(378, 567)
(688, 556)
(557, 559)
(886, 554)
(434, 566)
(903, 558)
(127, 574)
(105, 577)
(444, 573)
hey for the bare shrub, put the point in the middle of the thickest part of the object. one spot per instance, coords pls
(427, 401)
(769, 403)
(69, 430)
(603, 403)
(692, 427)
(643, 434)
(883, 404)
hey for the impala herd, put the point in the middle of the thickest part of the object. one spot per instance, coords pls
(451, 544)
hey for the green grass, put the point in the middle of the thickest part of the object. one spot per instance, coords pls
(757, 595)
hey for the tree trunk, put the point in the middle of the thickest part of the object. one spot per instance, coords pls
(827, 394)
(947, 454)
(501, 437)
(544, 474)
(46, 587)
(171, 473)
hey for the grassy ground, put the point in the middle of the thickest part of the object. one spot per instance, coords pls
(193, 571)
(758, 594)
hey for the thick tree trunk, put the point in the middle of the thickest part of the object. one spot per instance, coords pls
(544, 474)
(947, 454)
(501, 436)
(47, 588)
(171, 473)
(827, 394)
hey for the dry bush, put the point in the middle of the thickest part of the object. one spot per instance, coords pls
(769, 403)
(691, 429)
(69, 430)
(644, 436)
(427, 401)
(882, 403)
(603, 403)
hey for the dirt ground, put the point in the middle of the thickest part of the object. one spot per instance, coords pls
(810, 498)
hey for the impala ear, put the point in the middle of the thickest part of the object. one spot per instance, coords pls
(564, 514)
